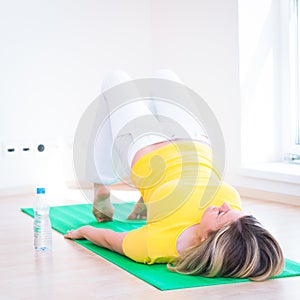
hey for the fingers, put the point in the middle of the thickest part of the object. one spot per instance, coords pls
(74, 234)
(69, 234)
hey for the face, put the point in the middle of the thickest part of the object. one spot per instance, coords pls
(214, 217)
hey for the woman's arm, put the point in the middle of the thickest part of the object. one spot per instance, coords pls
(105, 238)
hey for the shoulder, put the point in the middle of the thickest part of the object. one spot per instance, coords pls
(134, 245)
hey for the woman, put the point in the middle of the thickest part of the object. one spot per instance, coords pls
(215, 239)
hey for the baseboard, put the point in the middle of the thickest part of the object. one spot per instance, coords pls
(119, 186)
(243, 191)
(268, 196)
(24, 190)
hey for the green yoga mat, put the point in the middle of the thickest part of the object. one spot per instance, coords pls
(68, 217)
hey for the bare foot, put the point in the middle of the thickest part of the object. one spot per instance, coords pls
(139, 211)
(74, 235)
(103, 212)
(102, 208)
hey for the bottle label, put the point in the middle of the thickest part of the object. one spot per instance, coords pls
(42, 231)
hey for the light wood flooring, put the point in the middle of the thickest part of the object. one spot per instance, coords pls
(73, 272)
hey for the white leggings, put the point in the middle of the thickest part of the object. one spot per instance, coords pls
(111, 154)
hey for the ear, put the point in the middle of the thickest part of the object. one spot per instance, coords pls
(203, 238)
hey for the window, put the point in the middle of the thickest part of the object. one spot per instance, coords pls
(297, 63)
(294, 65)
(292, 110)
(269, 67)
(260, 81)
(269, 52)
(298, 128)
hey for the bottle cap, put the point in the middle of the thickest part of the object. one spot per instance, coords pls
(40, 190)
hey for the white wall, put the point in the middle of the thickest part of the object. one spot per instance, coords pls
(199, 40)
(53, 56)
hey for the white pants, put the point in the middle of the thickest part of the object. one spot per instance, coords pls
(111, 153)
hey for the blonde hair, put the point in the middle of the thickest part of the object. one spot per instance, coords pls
(241, 249)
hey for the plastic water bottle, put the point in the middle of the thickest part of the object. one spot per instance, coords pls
(42, 223)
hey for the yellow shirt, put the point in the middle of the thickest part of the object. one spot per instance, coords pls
(177, 182)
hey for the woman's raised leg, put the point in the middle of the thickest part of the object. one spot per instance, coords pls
(100, 168)
(109, 155)
(180, 119)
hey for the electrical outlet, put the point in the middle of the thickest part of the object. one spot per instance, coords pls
(10, 149)
(25, 148)
(37, 147)
(46, 146)
(32, 147)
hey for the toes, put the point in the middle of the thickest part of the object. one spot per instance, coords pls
(101, 220)
(135, 216)
(132, 216)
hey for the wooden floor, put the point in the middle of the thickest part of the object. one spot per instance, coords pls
(72, 272)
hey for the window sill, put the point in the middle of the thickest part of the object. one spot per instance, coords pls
(277, 171)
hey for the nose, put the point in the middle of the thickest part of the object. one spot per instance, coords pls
(225, 207)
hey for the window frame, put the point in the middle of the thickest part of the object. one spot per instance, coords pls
(295, 11)
(290, 93)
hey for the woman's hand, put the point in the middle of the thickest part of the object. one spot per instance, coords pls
(74, 234)
(105, 238)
